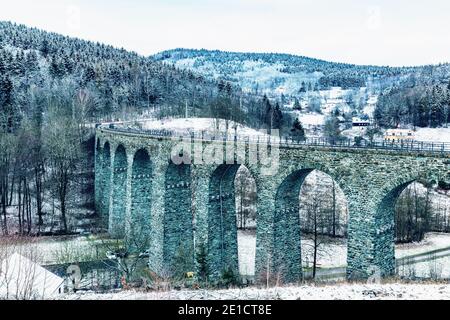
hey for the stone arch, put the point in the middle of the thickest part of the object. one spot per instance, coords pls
(222, 229)
(287, 221)
(384, 244)
(401, 178)
(118, 210)
(287, 260)
(246, 221)
(384, 217)
(141, 195)
(178, 245)
(98, 174)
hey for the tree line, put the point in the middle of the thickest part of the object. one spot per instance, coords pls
(420, 105)
(228, 64)
(54, 88)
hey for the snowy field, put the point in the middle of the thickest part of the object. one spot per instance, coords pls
(438, 268)
(200, 124)
(54, 250)
(433, 134)
(330, 292)
(432, 241)
(334, 254)
(311, 119)
(247, 252)
(50, 250)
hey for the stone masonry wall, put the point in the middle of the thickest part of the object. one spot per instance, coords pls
(193, 206)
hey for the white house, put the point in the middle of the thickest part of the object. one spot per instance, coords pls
(21, 278)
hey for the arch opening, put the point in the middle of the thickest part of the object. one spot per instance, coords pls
(231, 223)
(178, 247)
(105, 184)
(98, 177)
(310, 226)
(246, 216)
(413, 218)
(141, 195)
(117, 219)
(323, 225)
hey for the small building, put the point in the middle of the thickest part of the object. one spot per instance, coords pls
(358, 122)
(21, 278)
(399, 135)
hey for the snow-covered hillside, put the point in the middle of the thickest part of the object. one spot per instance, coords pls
(200, 124)
(276, 74)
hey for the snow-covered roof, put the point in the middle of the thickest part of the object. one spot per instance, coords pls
(398, 131)
(359, 120)
(21, 278)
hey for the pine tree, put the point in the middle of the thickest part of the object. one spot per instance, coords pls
(332, 129)
(2, 64)
(45, 47)
(297, 105)
(31, 62)
(277, 117)
(297, 131)
(303, 88)
(8, 115)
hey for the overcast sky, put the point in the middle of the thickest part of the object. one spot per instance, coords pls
(381, 32)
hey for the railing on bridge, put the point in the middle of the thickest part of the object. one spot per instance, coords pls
(400, 145)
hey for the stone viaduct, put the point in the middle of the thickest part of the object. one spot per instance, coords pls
(181, 210)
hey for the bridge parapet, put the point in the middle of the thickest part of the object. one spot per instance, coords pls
(410, 146)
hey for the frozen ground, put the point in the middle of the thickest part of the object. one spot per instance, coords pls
(331, 292)
(54, 250)
(247, 252)
(438, 268)
(200, 124)
(311, 119)
(51, 249)
(334, 254)
(433, 134)
(432, 241)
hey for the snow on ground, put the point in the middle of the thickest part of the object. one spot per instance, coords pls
(312, 119)
(334, 254)
(432, 241)
(49, 250)
(394, 291)
(369, 109)
(438, 268)
(252, 74)
(433, 134)
(199, 124)
(52, 250)
(246, 252)
(333, 98)
(334, 95)
(354, 132)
